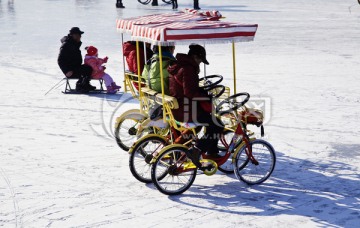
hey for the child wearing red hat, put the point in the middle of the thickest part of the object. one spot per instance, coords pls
(96, 63)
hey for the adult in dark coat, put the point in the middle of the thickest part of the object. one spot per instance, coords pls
(70, 60)
(184, 86)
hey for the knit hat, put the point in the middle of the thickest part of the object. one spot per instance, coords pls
(91, 50)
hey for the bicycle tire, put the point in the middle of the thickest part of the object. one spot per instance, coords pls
(253, 174)
(160, 182)
(137, 157)
(122, 136)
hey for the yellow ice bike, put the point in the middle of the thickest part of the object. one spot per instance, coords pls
(134, 123)
(173, 172)
(145, 148)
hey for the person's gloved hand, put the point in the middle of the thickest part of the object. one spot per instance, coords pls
(106, 59)
(69, 74)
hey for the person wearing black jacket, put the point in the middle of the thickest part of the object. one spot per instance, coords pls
(184, 86)
(70, 60)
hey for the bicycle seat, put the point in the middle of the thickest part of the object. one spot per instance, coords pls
(169, 100)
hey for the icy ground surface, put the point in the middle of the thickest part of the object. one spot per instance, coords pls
(60, 167)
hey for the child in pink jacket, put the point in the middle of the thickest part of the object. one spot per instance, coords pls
(96, 63)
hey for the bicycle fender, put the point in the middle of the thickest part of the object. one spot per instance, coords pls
(132, 113)
(131, 150)
(239, 148)
(163, 150)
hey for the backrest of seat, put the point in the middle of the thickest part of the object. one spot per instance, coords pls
(131, 83)
(134, 77)
(169, 100)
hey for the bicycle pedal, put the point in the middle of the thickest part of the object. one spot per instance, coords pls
(209, 167)
(189, 165)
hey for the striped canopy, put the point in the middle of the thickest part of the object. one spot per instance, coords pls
(185, 27)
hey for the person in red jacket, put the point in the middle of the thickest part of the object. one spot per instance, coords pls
(130, 55)
(184, 86)
(98, 70)
(129, 51)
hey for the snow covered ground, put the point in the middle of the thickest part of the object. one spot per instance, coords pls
(60, 166)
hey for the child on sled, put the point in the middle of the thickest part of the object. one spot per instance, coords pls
(96, 63)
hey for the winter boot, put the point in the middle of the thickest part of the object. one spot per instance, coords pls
(80, 87)
(110, 89)
(87, 85)
(114, 86)
(194, 154)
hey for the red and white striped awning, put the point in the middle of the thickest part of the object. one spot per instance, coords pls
(126, 25)
(185, 27)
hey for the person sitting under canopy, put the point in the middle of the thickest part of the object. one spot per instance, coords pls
(152, 68)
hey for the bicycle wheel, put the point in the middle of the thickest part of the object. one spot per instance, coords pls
(228, 166)
(250, 173)
(180, 175)
(126, 132)
(142, 154)
(144, 2)
(167, 1)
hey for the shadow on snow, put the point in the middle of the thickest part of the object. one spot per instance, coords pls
(321, 190)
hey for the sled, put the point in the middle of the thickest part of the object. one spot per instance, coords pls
(70, 90)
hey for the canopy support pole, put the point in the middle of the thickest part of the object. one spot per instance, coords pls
(122, 50)
(204, 64)
(234, 65)
(138, 73)
(146, 61)
(162, 81)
